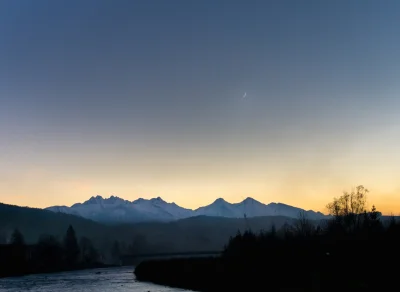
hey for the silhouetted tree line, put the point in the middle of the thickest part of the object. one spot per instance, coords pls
(47, 255)
(354, 250)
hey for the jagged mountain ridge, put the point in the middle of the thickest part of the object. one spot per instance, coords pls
(253, 208)
(117, 210)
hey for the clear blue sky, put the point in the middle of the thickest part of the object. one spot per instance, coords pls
(144, 99)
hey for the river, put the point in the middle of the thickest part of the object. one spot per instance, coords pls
(99, 280)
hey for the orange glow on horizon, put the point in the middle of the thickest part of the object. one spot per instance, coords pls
(192, 195)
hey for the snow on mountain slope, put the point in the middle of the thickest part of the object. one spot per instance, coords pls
(114, 209)
(161, 210)
(107, 210)
(63, 209)
(253, 208)
(219, 208)
(279, 209)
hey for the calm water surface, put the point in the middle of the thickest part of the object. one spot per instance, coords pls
(109, 280)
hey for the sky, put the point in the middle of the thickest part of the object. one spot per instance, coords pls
(145, 99)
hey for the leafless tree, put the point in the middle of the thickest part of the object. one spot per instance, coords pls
(349, 203)
(350, 207)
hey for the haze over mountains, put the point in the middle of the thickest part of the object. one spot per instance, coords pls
(198, 233)
(206, 232)
(117, 210)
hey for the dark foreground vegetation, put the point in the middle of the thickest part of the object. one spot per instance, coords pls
(48, 255)
(353, 251)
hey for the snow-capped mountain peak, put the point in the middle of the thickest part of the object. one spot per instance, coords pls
(95, 199)
(157, 200)
(220, 201)
(250, 201)
(219, 208)
(139, 200)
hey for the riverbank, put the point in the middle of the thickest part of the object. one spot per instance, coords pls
(118, 279)
(198, 274)
(350, 266)
(4, 272)
(220, 274)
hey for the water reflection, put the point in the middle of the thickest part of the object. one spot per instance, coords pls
(99, 280)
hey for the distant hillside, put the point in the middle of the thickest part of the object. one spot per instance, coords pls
(33, 222)
(200, 233)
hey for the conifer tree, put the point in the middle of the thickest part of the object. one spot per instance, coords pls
(71, 247)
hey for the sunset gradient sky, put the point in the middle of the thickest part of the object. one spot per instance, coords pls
(144, 99)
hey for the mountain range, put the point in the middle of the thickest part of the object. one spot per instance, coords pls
(198, 233)
(117, 210)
